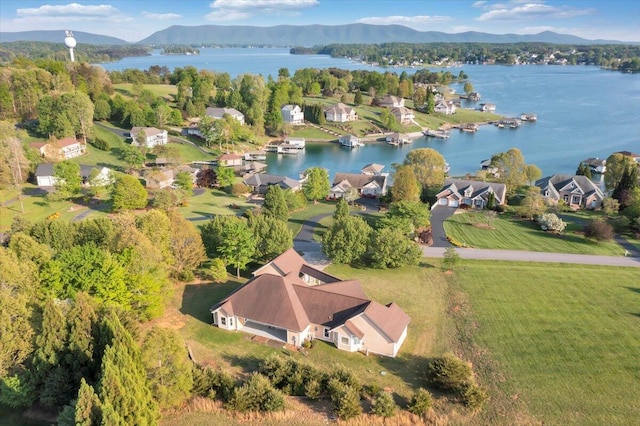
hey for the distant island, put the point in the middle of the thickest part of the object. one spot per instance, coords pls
(180, 50)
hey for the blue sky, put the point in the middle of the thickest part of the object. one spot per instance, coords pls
(134, 20)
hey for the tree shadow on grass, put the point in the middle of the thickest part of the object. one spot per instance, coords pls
(248, 363)
(198, 298)
(634, 289)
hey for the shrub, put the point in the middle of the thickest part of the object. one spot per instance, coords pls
(345, 376)
(472, 395)
(293, 377)
(346, 399)
(599, 230)
(499, 208)
(450, 259)
(448, 372)
(551, 222)
(384, 405)
(420, 402)
(313, 389)
(620, 223)
(218, 270)
(257, 394)
(101, 144)
(239, 188)
(295, 200)
(212, 383)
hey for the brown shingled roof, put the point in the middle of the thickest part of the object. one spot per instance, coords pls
(390, 319)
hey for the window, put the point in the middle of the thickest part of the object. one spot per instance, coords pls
(356, 341)
(326, 333)
(223, 321)
(230, 322)
(575, 199)
(345, 340)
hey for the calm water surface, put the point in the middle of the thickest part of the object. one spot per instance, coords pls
(582, 112)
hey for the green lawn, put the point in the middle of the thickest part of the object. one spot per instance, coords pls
(508, 233)
(297, 218)
(213, 202)
(565, 338)
(165, 90)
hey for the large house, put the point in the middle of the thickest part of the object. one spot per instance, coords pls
(477, 194)
(390, 101)
(218, 113)
(62, 149)
(445, 107)
(403, 115)
(366, 185)
(596, 165)
(340, 113)
(91, 175)
(372, 169)
(575, 191)
(260, 182)
(290, 301)
(292, 114)
(152, 136)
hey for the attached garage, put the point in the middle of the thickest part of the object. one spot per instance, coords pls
(454, 203)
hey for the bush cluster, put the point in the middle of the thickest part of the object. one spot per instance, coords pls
(101, 144)
(214, 384)
(599, 230)
(453, 374)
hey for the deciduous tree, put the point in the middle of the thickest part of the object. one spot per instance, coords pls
(405, 185)
(68, 180)
(346, 240)
(128, 193)
(275, 204)
(272, 236)
(390, 248)
(317, 185)
(428, 166)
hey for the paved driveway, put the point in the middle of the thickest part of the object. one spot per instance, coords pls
(438, 216)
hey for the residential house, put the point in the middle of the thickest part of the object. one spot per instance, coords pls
(596, 165)
(372, 169)
(575, 191)
(192, 128)
(390, 101)
(230, 160)
(340, 113)
(91, 175)
(477, 194)
(635, 157)
(486, 166)
(290, 301)
(292, 114)
(62, 149)
(372, 186)
(445, 107)
(350, 141)
(403, 115)
(474, 96)
(218, 113)
(260, 182)
(153, 136)
(298, 143)
(159, 178)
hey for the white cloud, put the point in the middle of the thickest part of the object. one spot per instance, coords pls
(519, 10)
(242, 9)
(479, 3)
(68, 11)
(161, 16)
(404, 20)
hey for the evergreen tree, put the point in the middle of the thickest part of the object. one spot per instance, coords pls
(626, 186)
(275, 204)
(357, 99)
(342, 210)
(82, 320)
(50, 343)
(87, 410)
(123, 389)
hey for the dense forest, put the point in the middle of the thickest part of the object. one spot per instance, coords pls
(35, 50)
(622, 57)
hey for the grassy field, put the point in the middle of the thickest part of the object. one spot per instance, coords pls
(508, 233)
(213, 202)
(297, 219)
(564, 337)
(167, 91)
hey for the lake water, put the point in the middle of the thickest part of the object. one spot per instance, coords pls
(582, 112)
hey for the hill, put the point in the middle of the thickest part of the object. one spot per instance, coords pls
(58, 35)
(314, 35)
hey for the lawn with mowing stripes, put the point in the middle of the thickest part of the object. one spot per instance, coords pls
(508, 233)
(566, 337)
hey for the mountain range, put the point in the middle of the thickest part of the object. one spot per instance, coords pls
(302, 35)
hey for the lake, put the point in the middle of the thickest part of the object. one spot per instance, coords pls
(582, 112)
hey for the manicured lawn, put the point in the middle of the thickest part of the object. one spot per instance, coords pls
(165, 90)
(213, 202)
(297, 218)
(312, 133)
(564, 338)
(509, 233)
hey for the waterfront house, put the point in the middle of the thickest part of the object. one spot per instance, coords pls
(403, 115)
(230, 160)
(340, 113)
(474, 96)
(350, 141)
(192, 128)
(486, 166)
(292, 114)
(372, 169)
(596, 165)
(445, 107)
(260, 182)
(476, 194)
(390, 101)
(635, 157)
(152, 136)
(371, 186)
(62, 149)
(218, 113)
(575, 191)
(292, 302)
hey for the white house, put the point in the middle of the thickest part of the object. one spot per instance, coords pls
(403, 115)
(292, 114)
(340, 113)
(91, 175)
(62, 149)
(153, 136)
(350, 141)
(445, 107)
(390, 101)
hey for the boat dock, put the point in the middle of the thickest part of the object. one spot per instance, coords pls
(439, 134)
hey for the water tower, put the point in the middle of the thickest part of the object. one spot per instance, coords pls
(70, 42)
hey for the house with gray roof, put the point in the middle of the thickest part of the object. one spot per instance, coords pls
(260, 182)
(218, 113)
(477, 194)
(90, 175)
(290, 301)
(577, 192)
(340, 113)
(372, 186)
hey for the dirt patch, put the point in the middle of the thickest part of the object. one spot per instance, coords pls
(483, 226)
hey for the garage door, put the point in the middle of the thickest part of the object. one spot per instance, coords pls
(442, 201)
(453, 203)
